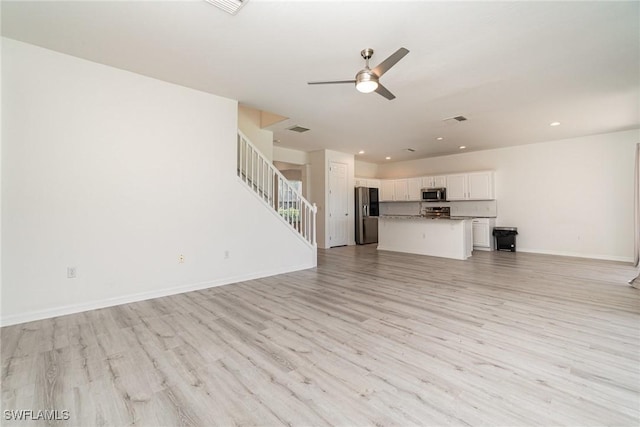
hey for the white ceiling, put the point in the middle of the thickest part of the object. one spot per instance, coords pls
(510, 67)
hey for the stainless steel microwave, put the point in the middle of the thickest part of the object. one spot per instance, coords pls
(434, 194)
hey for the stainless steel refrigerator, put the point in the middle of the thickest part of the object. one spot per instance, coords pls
(367, 211)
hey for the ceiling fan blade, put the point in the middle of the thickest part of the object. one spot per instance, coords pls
(384, 66)
(385, 92)
(331, 82)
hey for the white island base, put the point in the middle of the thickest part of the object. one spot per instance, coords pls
(447, 238)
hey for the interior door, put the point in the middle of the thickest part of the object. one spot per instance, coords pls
(339, 220)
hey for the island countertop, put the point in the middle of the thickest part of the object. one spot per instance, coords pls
(452, 218)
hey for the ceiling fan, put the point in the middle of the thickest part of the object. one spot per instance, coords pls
(367, 80)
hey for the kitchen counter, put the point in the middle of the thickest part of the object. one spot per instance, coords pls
(452, 218)
(416, 234)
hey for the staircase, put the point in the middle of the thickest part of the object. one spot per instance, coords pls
(274, 190)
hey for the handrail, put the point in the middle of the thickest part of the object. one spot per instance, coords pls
(273, 188)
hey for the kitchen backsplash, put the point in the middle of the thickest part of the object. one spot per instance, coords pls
(400, 208)
(475, 208)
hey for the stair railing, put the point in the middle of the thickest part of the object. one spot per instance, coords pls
(273, 188)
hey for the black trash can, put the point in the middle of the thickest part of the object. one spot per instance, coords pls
(505, 238)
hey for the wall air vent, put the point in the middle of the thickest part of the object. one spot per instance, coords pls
(230, 6)
(298, 129)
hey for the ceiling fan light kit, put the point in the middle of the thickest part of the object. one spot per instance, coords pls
(367, 80)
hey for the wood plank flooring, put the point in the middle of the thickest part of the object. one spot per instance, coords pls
(367, 338)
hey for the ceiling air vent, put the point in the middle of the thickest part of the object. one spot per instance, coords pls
(454, 120)
(230, 6)
(298, 129)
(411, 150)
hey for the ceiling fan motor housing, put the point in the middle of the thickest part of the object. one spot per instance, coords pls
(366, 53)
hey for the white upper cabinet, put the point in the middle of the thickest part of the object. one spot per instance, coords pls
(462, 186)
(373, 183)
(414, 187)
(367, 182)
(386, 191)
(457, 187)
(470, 186)
(439, 181)
(480, 186)
(400, 190)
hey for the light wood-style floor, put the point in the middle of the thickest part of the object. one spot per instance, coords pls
(367, 338)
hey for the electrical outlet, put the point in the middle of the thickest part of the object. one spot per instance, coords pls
(180, 259)
(226, 254)
(71, 272)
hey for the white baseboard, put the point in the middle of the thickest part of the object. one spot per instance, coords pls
(577, 255)
(125, 299)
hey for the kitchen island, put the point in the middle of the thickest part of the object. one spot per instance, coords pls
(415, 234)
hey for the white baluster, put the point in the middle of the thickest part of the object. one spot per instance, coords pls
(274, 189)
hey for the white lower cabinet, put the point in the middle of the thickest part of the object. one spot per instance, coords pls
(482, 233)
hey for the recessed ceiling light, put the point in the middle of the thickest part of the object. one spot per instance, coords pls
(462, 147)
(439, 138)
(388, 158)
(361, 152)
(554, 124)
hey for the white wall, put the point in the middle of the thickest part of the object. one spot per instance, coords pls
(118, 174)
(365, 169)
(250, 123)
(283, 155)
(289, 155)
(569, 197)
